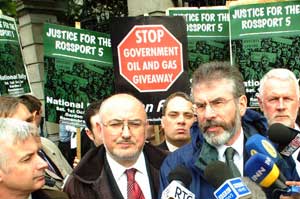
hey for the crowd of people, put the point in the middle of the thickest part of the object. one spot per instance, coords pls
(211, 125)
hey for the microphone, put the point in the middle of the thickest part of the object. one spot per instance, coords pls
(287, 138)
(179, 179)
(260, 144)
(262, 170)
(219, 176)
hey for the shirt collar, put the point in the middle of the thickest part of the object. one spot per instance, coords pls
(238, 146)
(118, 169)
(297, 127)
(171, 147)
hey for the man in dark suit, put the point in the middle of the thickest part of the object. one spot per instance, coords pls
(104, 171)
(177, 119)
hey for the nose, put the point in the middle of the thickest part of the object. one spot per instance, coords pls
(209, 112)
(280, 104)
(181, 118)
(125, 131)
(41, 164)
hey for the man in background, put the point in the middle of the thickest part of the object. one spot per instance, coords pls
(177, 119)
(58, 168)
(22, 170)
(279, 100)
(90, 136)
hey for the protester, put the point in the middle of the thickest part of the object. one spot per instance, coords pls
(220, 104)
(90, 136)
(102, 173)
(279, 100)
(22, 170)
(177, 119)
(58, 168)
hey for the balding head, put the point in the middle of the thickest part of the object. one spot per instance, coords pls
(123, 128)
(119, 102)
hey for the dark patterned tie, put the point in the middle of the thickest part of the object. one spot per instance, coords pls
(229, 153)
(133, 189)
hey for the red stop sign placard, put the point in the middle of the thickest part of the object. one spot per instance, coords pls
(150, 58)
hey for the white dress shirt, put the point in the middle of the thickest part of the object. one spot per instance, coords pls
(295, 154)
(238, 157)
(171, 147)
(141, 176)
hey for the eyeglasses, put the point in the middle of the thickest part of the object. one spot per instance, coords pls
(119, 124)
(216, 105)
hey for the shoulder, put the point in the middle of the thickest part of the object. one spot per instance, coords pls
(49, 194)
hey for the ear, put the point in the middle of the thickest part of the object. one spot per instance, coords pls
(243, 104)
(261, 105)
(1, 175)
(34, 114)
(100, 129)
(163, 118)
(90, 134)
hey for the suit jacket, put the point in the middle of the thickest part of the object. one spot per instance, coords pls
(93, 178)
(163, 146)
(57, 158)
(48, 194)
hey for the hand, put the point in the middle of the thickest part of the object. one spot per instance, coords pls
(75, 162)
(294, 196)
(292, 183)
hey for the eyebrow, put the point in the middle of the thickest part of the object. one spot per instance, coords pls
(23, 157)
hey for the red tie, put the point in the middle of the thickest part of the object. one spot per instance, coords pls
(133, 189)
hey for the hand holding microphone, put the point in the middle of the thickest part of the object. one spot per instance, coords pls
(262, 170)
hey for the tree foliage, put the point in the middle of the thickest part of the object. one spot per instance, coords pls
(8, 7)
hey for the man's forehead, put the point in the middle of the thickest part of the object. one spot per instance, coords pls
(211, 90)
(178, 104)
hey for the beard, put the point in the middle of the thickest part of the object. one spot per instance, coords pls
(230, 130)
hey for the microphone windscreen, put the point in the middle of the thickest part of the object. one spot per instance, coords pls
(281, 134)
(216, 173)
(256, 191)
(260, 144)
(182, 174)
(262, 170)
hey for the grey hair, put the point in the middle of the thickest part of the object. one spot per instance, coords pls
(13, 131)
(280, 74)
(218, 70)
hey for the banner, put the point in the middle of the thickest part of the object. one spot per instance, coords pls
(150, 59)
(78, 70)
(264, 36)
(13, 73)
(207, 32)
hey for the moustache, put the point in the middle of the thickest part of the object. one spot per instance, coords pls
(211, 123)
(125, 142)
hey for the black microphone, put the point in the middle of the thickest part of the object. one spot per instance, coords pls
(219, 175)
(180, 178)
(287, 138)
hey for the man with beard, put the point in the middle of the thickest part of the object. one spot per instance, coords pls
(123, 160)
(225, 123)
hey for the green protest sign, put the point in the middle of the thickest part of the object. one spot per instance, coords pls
(264, 36)
(13, 74)
(208, 34)
(78, 70)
